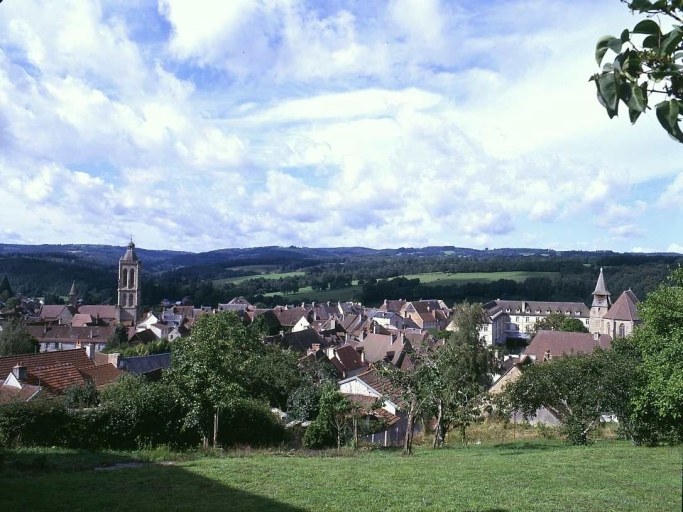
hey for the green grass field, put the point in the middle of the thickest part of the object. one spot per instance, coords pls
(444, 278)
(522, 476)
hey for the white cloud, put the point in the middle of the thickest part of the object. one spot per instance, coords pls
(381, 124)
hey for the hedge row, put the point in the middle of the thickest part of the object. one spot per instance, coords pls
(132, 415)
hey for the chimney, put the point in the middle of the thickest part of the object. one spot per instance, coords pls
(20, 372)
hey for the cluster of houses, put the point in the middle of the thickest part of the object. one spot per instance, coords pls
(351, 336)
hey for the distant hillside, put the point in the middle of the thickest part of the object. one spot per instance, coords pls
(39, 270)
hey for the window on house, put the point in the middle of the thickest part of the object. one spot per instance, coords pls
(622, 331)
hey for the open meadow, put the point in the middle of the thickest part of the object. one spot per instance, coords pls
(447, 278)
(539, 475)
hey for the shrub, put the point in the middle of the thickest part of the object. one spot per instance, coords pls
(37, 423)
(249, 422)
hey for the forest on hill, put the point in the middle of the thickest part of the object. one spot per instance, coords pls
(280, 275)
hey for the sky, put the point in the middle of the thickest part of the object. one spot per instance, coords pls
(197, 125)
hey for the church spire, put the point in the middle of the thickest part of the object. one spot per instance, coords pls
(73, 295)
(600, 288)
(600, 306)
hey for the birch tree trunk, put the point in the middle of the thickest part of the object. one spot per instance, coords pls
(438, 436)
(410, 427)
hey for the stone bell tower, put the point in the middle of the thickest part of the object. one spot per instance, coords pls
(128, 306)
(600, 306)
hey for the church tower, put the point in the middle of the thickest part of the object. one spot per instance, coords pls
(600, 306)
(128, 307)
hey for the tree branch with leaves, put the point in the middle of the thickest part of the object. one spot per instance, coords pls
(648, 64)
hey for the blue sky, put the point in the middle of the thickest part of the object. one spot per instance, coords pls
(198, 125)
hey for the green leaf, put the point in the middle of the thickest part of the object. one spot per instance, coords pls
(637, 102)
(601, 47)
(640, 5)
(667, 115)
(648, 26)
(671, 41)
(651, 41)
(608, 86)
(625, 35)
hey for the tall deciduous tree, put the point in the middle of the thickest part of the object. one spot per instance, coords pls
(648, 63)
(15, 339)
(446, 381)
(656, 404)
(463, 373)
(214, 366)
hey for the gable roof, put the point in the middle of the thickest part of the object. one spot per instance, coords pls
(56, 377)
(23, 393)
(561, 343)
(81, 319)
(53, 311)
(76, 357)
(381, 384)
(302, 340)
(347, 359)
(625, 308)
(288, 317)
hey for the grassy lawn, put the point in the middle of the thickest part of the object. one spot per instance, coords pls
(444, 278)
(524, 476)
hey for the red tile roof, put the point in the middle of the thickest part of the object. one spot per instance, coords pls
(561, 343)
(77, 357)
(10, 394)
(366, 404)
(103, 374)
(56, 377)
(382, 385)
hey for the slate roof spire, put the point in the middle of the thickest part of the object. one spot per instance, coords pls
(130, 254)
(601, 297)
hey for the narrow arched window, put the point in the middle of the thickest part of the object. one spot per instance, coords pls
(608, 329)
(131, 278)
(130, 300)
(622, 331)
(124, 278)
